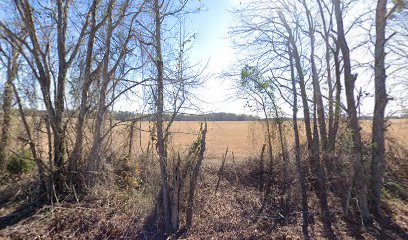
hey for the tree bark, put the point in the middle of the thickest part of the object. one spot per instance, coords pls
(94, 158)
(131, 138)
(318, 99)
(381, 99)
(76, 156)
(159, 119)
(299, 169)
(319, 117)
(175, 200)
(322, 183)
(60, 93)
(331, 135)
(349, 81)
(269, 136)
(261, 169)
(336, 120)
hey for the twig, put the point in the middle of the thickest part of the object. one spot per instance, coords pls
(221, 170)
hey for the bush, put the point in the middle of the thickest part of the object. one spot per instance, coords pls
(20, 163)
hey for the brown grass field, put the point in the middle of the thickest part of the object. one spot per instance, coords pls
(243, 138)
(246, 138)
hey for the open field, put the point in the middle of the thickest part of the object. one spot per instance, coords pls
(245, 138)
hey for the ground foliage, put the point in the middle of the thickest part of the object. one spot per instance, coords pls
(238, 210)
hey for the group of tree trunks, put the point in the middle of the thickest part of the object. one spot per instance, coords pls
(92, 54)
(282, 29)
(103, 47)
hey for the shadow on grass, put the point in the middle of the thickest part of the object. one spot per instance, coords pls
(26, 210)
(384, 228)
(26, 196)
(151, 228)
(388, 228)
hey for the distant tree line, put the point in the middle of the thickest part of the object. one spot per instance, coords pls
(218, 116)
(212, 117)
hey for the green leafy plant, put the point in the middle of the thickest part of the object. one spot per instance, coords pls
(20, 163)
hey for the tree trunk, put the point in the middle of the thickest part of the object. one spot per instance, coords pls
(221, 171)
(269, 180)
(159, 120)
(331, 135)
(318, 100)
(7, 102)
(269, 136)
(378, 146)
(349, 80)
(194, 178)
(306, 112)
(299, 69)
(94, 158)
(326, 29)
(336, 120)
(299, 169)
(76, 156)
(58, 131)
(131, 138)
(322, 183)
(175, 200)
(319, 117)
(261, 169)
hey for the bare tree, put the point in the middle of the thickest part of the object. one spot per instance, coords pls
(381, 99)
(301, 75)
(299, 168)
(159, 118)
(320, 115)
(94, 159)
(313, 142)
(286, 27)
(327, 27)
(36, 50)
(360, 180)
(153, 42)
(88, 77)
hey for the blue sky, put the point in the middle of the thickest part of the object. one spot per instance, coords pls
(212, 44)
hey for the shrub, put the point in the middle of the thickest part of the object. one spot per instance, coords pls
(20, 163)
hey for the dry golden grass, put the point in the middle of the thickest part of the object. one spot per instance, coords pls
(242, 138)
(246, 138)
(398, 130)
